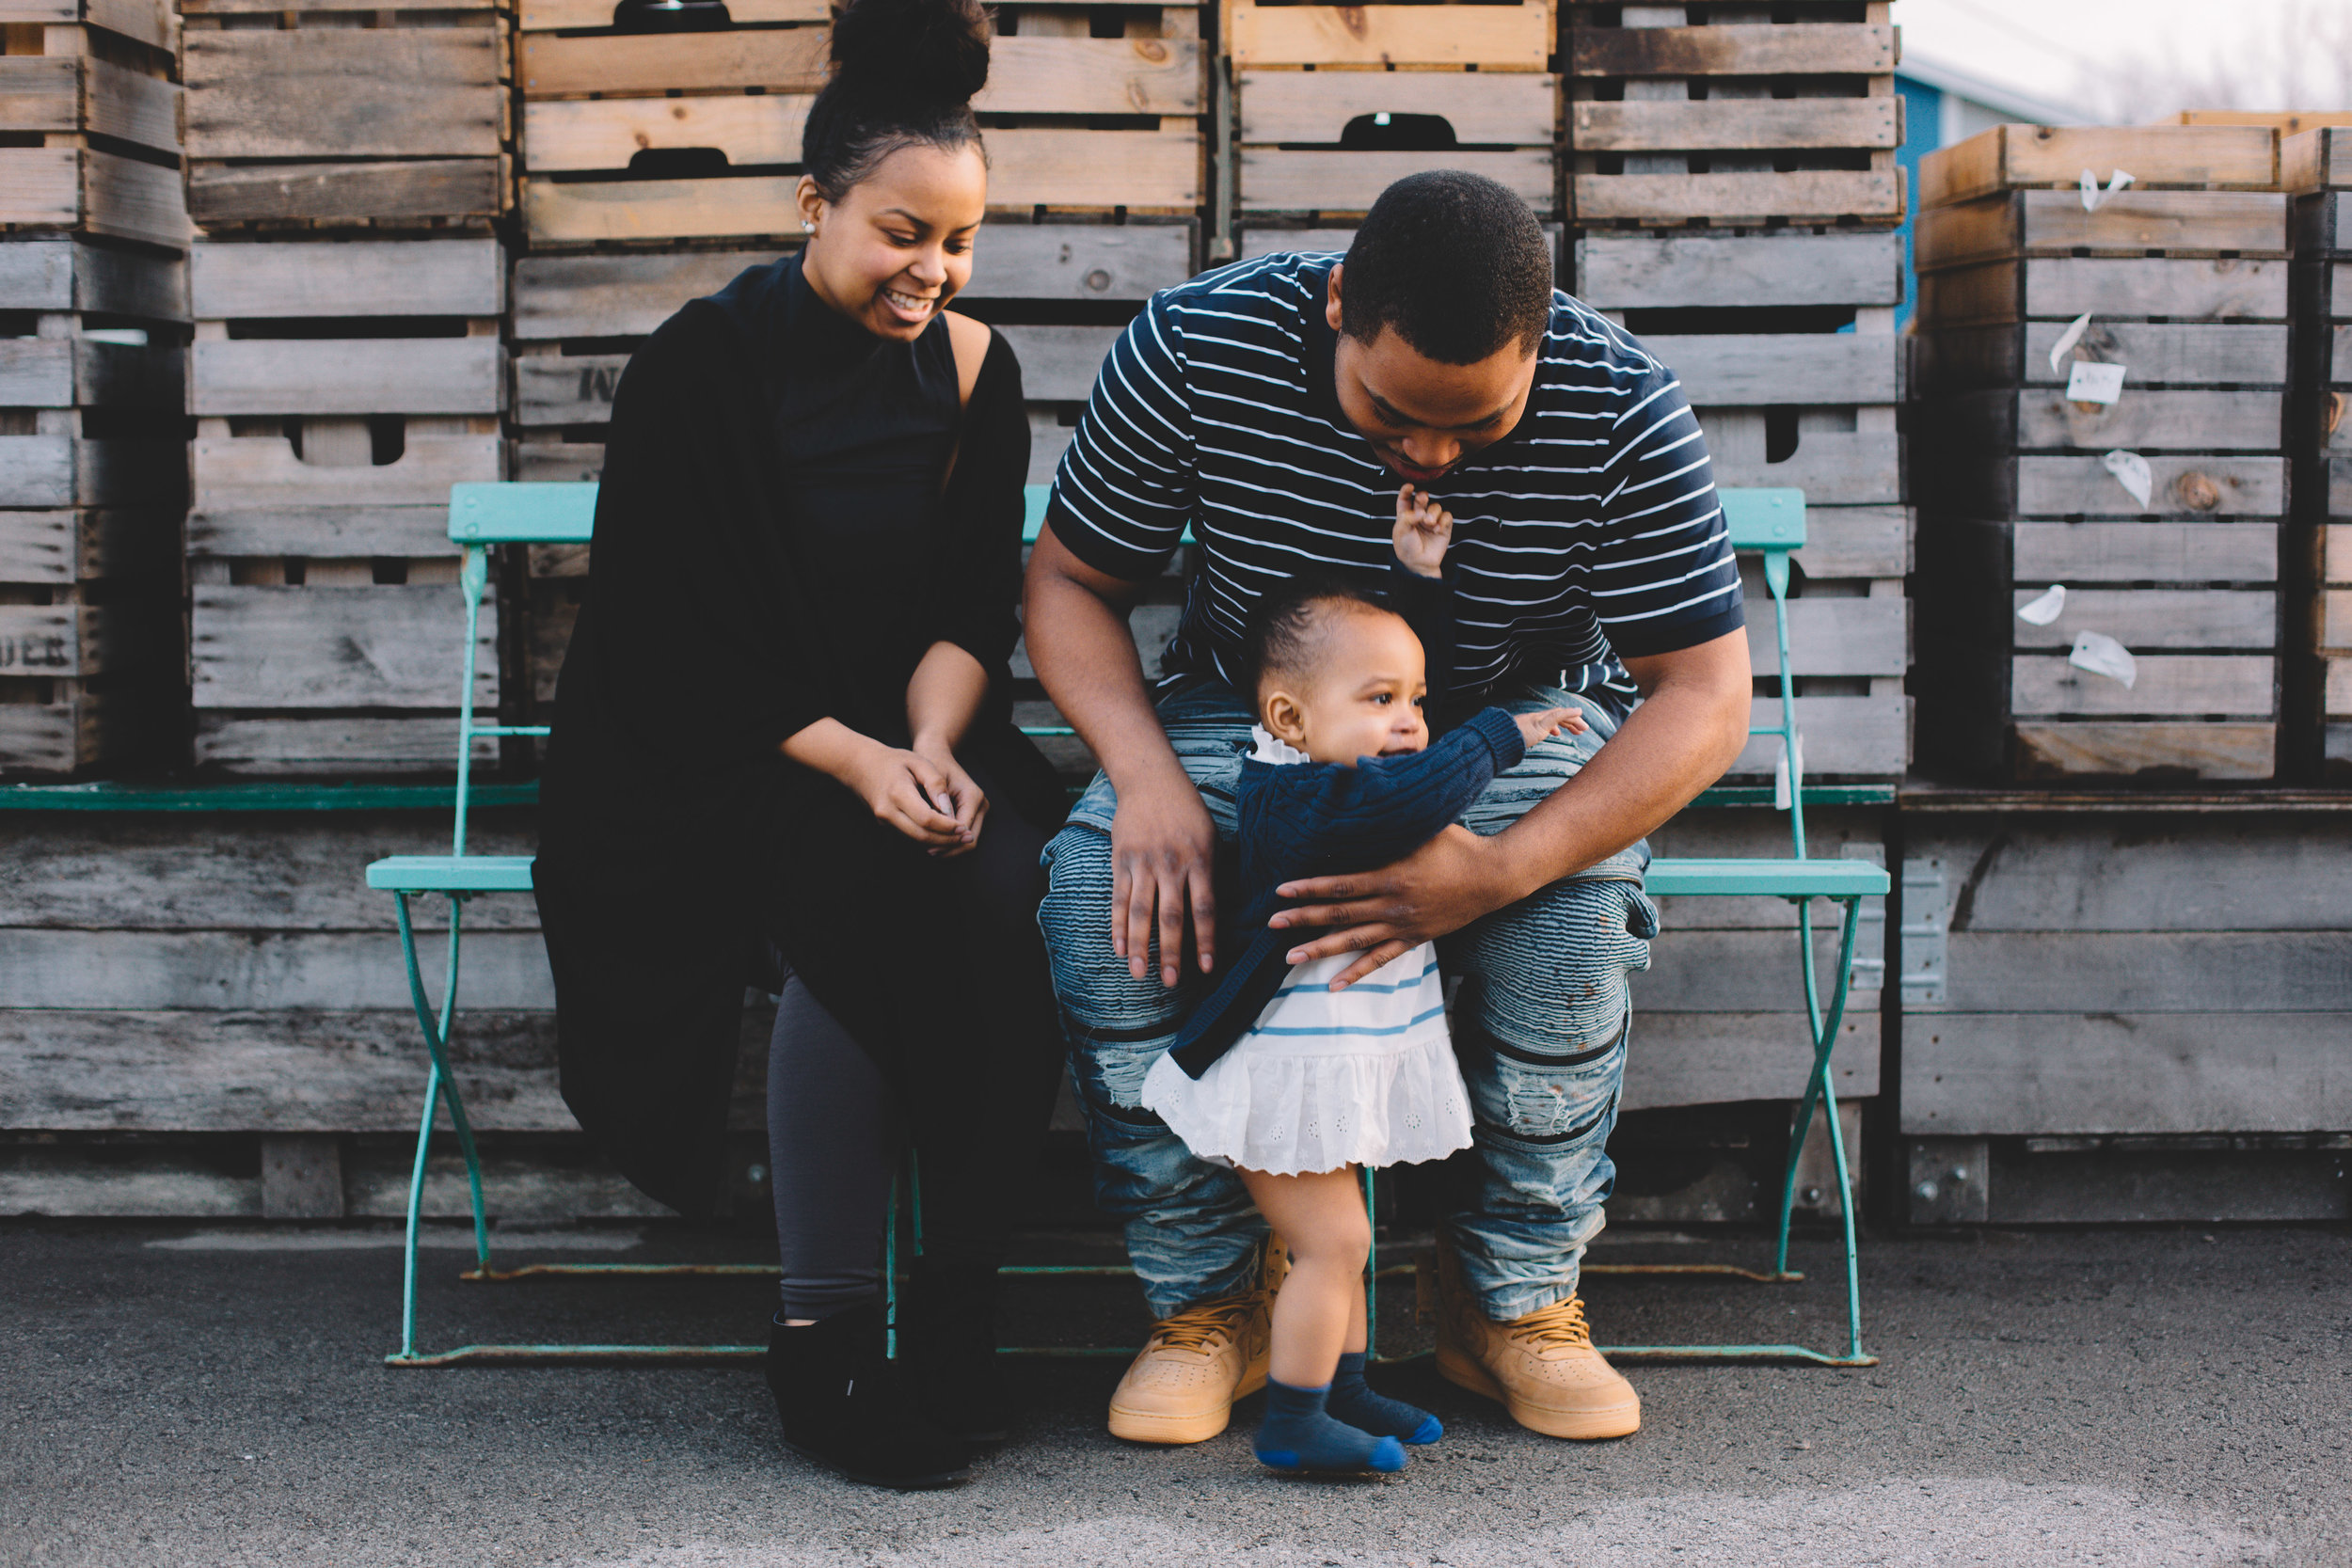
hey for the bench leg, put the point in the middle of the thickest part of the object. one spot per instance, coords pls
(440, 1088)
(1819, 1091)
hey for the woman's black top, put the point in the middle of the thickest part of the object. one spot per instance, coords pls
(775, 544)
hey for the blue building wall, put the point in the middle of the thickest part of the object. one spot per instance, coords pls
(1923, 131)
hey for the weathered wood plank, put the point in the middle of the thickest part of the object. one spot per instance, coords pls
(1712, 1058)
(1493, 37)
(2161, 751)
(2143, 618)
(2168, 684)
(247, 971)
(86, 544)
(1734, 123)
(347, 376)
(559, 462)
(1865, 737)
(375, 647)
(2182, 421)
(2174, 972)
(617, 296)
(1855, 542)
(72, 640)
(2181, 487)
(1760, 369)
(567, 134)
(332, 746)
(1831, 467)
(1750, 49)
(2317, 158)
(790, 59)
(2195, 156)
(2060, 288)
(77, 187)
(323, 532)
(2029, 1073)
(1731, 973)
(1480, 108)
(2161, 354)
(2145, 552)
(1633, 271)
(76, 372)
(1833, 637)
(282, 278)
(551, 16)
(148, 21)
(380, 192)
(60, 275)
(378, 92)
(59, 470)
(74, 94)
(1059, 363)
(2130, 223)
(1344, 181)
(1803, 196)
(261, 473)
(1094, 76)
(2159, 872)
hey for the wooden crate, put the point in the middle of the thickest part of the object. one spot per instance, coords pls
(78, 86)
(1785, 346)
(2106, 972)
(1333, 105)
(336, 114)
(2318, 169)
(2055, 157)
(1716, 112)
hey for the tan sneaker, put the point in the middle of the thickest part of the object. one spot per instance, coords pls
(1181, 1385)
(1542, 1367)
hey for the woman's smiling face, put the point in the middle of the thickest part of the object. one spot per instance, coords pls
(898, 245)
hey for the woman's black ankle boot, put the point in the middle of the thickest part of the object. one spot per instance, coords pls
(948, 1336)
(845, 1405)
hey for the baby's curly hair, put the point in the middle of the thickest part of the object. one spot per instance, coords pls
(1284, 634)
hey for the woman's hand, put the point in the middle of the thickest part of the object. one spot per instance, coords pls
(910, 792)
(954, 789)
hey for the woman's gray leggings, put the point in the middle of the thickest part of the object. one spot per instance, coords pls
(833, 1141)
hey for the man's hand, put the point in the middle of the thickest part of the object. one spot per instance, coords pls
(1435, 891)
(1162, 849)
(1423, 530)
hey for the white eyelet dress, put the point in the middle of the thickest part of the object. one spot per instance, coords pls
(1326, 1078)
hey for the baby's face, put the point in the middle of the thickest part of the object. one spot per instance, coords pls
(1364, 697)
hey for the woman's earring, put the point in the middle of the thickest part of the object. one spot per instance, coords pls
(809, 227)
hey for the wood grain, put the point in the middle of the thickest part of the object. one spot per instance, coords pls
(262, 472)
(567, 134)
(378, 92)
(74, 187)
(1765, 369)
(2156, 618)
(283, 279)
(1804, 195)
(347, 376)
(2130, 223)
(38, 274)
(2158, 750)
(1511, 108)
(2184, 685)
(1749, 49)
(383, 191)
(1276, 180)
(2194, 157)
(2060, 288)
(376, 647)
(1618, 272)
(790, 59)
(331, 746)
(2145, 552)
(1734, 123)
(1094, 76)
(1493, 37)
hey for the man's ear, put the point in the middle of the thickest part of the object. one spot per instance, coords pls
(1332, 298)
(1285, 720)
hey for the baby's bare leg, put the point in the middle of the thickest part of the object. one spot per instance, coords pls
(1319, 1312)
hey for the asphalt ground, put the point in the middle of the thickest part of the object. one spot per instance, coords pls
(174, 1395)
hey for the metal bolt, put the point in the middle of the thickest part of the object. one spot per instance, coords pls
(1813, 1194)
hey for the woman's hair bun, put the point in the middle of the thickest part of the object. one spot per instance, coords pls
(932, 50)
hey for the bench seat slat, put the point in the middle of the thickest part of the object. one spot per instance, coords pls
(450, 873)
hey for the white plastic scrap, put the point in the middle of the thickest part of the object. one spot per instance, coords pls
(1785, 776)
(2094, 197)
(2046, 608)
(2067, 340)
(2102, 655)
(2089, 382)
(2130, 471)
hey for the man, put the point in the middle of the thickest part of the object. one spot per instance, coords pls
(1275, 406)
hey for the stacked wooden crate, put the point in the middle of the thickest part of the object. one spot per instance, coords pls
(2156, 509)
(2318, 170)
(1333, 103)
(93, 306)
(348, 169)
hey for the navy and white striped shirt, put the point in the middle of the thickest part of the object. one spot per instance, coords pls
(1590, 532)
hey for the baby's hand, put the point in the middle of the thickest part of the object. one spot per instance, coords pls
(1423, 530)
(1544, 725)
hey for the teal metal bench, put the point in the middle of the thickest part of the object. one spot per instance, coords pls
(1766, 522)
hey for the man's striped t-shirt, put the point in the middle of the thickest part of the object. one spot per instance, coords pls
(1589, 533)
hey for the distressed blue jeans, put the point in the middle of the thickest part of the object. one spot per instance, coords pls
(1541, 1019)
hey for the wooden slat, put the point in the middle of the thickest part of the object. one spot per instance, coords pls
(1801, 195)
(69, 642)
(1867, 737)
(2317, 159)
(2060, 288)
(2145, 552)
(347, 278)
(2145, 618)
(2166, 751)
(323, 532)
(790, 59)
(2173, 972)
(1056, 167)
(2185, 487)
(379, 647)
(243, 970)
(567, 389)
(1857, 542)
(2162, 354)
(1714, 1058)
(78, 728)
(1059, 363)
(378, 92)
(59, 470)
(1619, 272)
(333, 746)
(1493, 37)
(1093, 76)
(1750, 370)
(1734, 123)
(77, 94)
(1336, 182)
(2171, 684)
(617, 296)
(347, 376)
(148, 21)
(1833, 637)
(1853, 468)
(69, 275)
(1501, 109)
(2212, 421)
(377, 192)
(605, 132)
(2130, 223)
(1727, 971)
(559, 462)
(86, 544)
(262, 472)
(548, 16)
(72, 187)
(76, 372)
(2006, 156)
(2132, 1071)
(1750, 49)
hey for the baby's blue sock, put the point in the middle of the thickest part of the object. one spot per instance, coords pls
(1298, 1433)
(1353, 1401)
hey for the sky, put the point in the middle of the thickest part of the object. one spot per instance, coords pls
(2135, 61)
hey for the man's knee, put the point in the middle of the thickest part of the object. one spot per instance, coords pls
(1115, 1025)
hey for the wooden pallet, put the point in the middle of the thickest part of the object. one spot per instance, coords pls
(2053, 157)
(2318, 166)
(349, 115)
(1719, 112)
(74, 94)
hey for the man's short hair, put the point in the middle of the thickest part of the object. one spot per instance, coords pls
(1454, 263)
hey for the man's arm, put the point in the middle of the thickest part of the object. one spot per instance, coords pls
(1691, 726)
(1162, 840)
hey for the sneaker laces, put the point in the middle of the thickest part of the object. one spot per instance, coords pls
(1558, 1327)
(1202, 1327)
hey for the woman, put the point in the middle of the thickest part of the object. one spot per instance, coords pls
(783, 727)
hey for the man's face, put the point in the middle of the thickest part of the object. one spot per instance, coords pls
(1421, 416)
